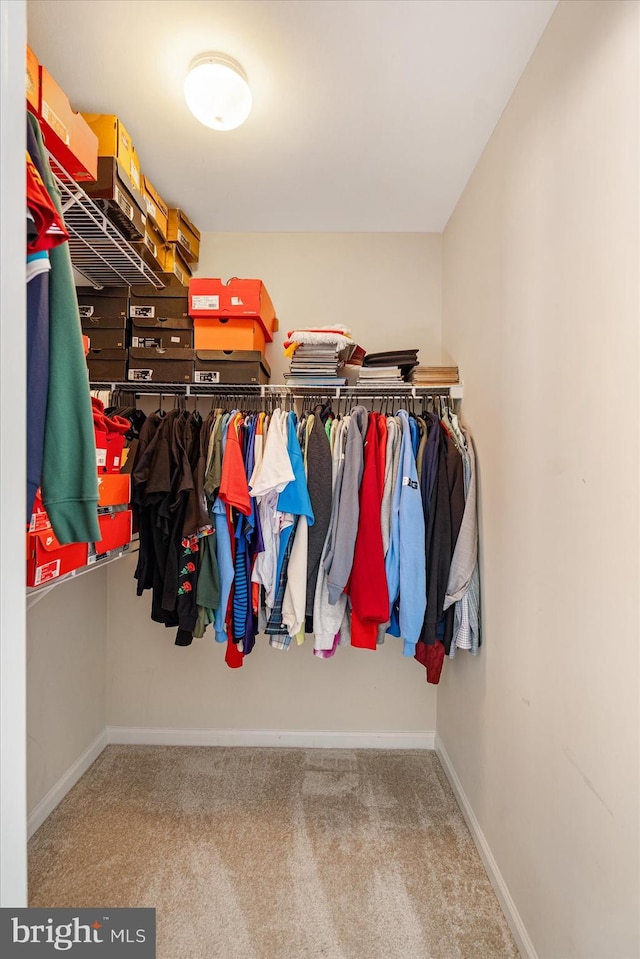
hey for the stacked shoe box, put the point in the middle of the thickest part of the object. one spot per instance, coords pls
(47, 558)
(153, 247)
(104, 315)
(118, 189)
(114, 487)
(161, 337)
(142, 334)
(67, 136)
(165, 238)
(233, 322)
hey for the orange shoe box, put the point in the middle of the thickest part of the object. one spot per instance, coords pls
(184, 234)
(114, 141)
(175, 263)
(222, 333)
(157, 209)
(114, 489)
(66, 133)
(115, 530)
(39, 516)
(47, 559)
(33, 82)
(238, 299)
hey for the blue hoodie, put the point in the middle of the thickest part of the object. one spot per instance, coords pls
(294, 498)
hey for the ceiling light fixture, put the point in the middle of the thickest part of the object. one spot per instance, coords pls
(217, 92)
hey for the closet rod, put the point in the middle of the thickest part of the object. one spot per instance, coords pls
(454, 390)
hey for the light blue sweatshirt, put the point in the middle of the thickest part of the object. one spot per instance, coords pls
(405, 562)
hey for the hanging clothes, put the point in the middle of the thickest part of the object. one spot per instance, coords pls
(327, 616)
(268, 480)
(463, 587)
(319, 482)
(408, 601)
(208, 586)
(368, 582)
(229, 536)
(340, 558)
(293, 501)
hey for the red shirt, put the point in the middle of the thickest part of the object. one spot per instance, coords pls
(368, 582)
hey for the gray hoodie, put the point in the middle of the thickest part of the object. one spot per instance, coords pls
(341, 559)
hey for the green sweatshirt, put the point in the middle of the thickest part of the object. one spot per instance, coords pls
(69, 472)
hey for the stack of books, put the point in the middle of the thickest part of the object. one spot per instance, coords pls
(380, 376)
(322, 364)
(435, 376)
(315, 365)
(388, 369)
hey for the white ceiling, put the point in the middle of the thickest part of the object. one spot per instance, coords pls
(368, 115)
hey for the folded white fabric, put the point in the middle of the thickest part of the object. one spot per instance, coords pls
(321, 338)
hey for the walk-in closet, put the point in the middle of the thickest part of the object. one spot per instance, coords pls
(323, 387)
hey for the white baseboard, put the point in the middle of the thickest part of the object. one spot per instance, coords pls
(517, 926)
(57, 792)
(305, 738)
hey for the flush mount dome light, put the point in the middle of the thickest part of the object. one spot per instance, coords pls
(217, 92)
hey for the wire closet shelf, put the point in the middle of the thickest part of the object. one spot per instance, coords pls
(399, 393)
(453, 391)
(98, 250)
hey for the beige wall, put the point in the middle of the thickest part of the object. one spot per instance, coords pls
(66, 679)
(541, 313)
(385, 286)
(153, 683)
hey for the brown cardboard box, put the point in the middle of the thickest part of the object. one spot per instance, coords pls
(172, 287)
(185, 235)
(165, 366)
(106, 309)
(33, 82)
(107, 339)
(231, 366)
(157, 209)
(160, 322)
(107, 366)
(164, 337)
(122, 204)
(152, 248)
(176, 264)
(114, 141)
(158, 308)
(174, 275)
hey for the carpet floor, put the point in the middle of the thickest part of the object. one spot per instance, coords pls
(274, 854)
